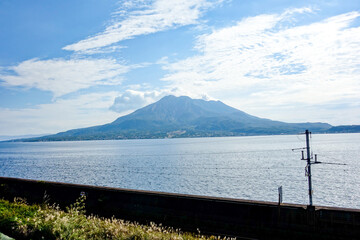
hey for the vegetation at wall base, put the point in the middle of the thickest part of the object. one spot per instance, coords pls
(22, 221)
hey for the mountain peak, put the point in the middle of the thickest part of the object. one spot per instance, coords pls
(169, 97)
(182, 109)
(186, 117)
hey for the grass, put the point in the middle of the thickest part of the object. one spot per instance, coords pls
(22, 221)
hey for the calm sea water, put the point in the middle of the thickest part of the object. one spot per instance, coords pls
(235, 167)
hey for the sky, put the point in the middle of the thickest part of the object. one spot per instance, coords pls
(68, 64)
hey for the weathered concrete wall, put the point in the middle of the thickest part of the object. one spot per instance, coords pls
(234, 217)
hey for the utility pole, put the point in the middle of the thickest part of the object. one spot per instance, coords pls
(308, 165)
(308, 158)
(309, 161)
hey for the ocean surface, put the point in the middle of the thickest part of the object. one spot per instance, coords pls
(236, 167)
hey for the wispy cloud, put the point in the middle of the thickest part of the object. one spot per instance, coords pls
(268, 58)
(148, 17)
(61, 115)
(62, 76)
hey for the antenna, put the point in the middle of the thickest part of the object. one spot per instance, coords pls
(308, 159)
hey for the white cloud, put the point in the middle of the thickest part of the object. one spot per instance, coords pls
(132, 100)
(149, 17)
(267, 60)
(136, 97)
(62, 76)
(63, 114)
(83, 111)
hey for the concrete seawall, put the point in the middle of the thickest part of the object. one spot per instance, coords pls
(211, 215)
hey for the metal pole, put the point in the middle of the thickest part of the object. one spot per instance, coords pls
(308, 164)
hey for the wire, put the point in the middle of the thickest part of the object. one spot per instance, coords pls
(300, 140)
(201, 153)
(336, 159)
(333, 163)
(295, 149)
(209, 140)
(203, 175)
(264, 178)
(220, 168)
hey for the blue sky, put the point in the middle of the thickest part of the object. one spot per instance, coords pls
(69, 64)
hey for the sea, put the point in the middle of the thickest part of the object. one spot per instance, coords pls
(249, 167)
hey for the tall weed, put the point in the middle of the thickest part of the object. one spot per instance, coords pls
(22, 221)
